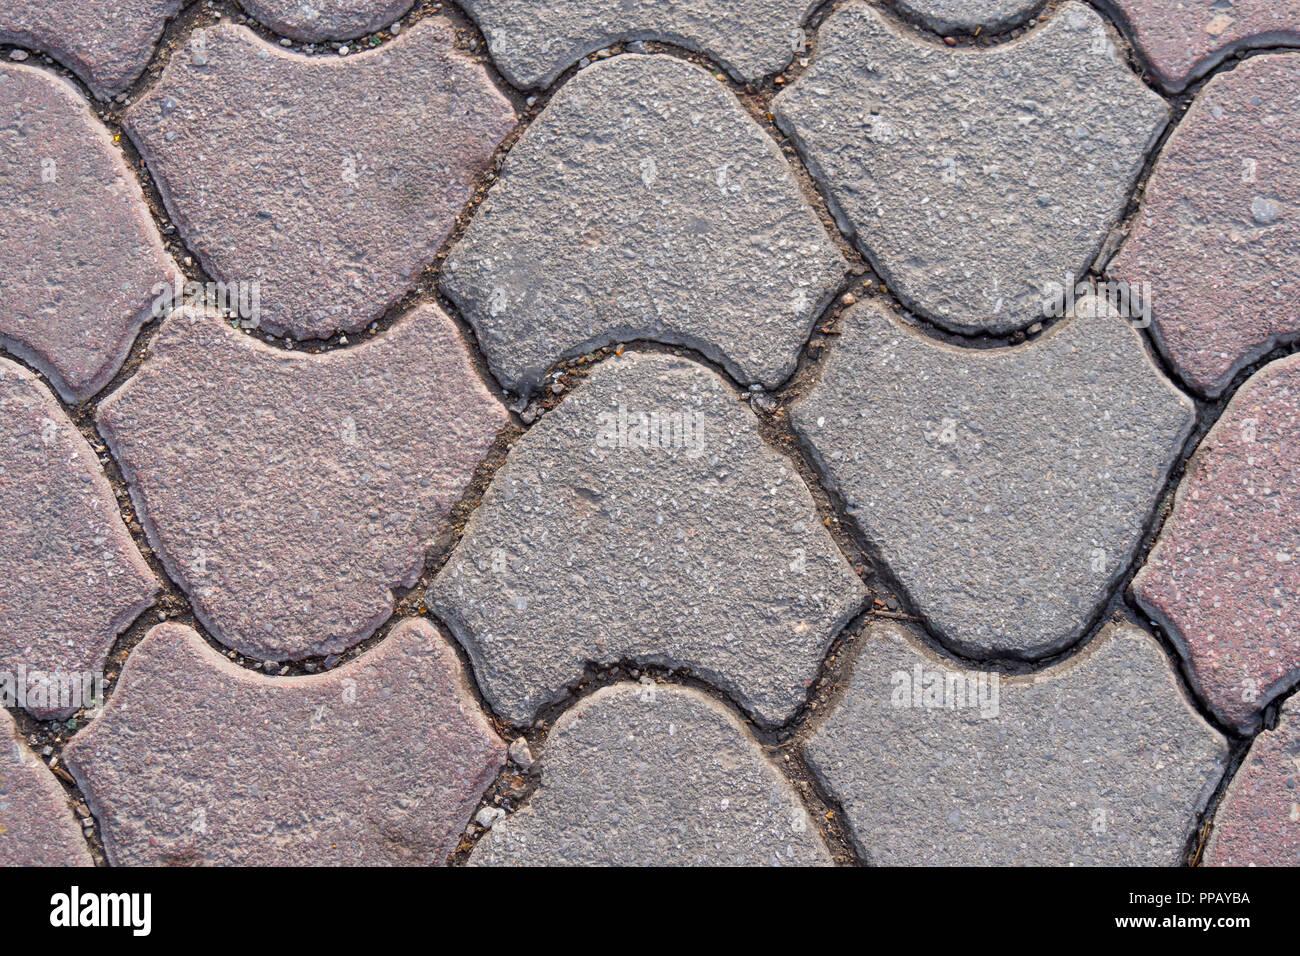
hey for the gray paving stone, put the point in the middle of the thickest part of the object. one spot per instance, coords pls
(966, 16)
(533, 41)
(326, 19)
(1006, 488)
(37, 827)
(288, 493)
(197, 761)
(330, 181)
(79, 253)
(681, 540)
(71, 578)
(651, 775)
(644, 203)
(1098, 761)
(973, 178)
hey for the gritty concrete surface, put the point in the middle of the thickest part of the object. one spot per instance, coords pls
(966, 16)
(37, 827)
(320, 20)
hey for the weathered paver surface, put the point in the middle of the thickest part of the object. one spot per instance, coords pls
(37, 827)
(1098, 761)
(79, 252)
(649, 775)
(533, 41)
(326, 19)
(288, 493)
(1183, 40)
(973, 179)
(612, 535)
(1257, 822)
(1225, 571)
(1218, 236)
(644, 203)
(198, 761)
(966, 16)
(1007, 489)
(330, 181)
(71, 578)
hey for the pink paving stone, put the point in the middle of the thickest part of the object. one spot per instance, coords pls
(326, 19)
(79, 253)
(1225, 573)
(330, 181)
(71, 578)
(37, 827)
(199, 761)
(288, 493)
(1218, 236)
(1184, 39)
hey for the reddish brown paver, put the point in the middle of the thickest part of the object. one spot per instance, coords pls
(37, 827)
(199, 761)
(1184, 39)
(71, 578)
(329, 181)
(326, 19)
(1225, 572)
(1218, 237)
(79, 253)
(1258, 820)
(287, 493)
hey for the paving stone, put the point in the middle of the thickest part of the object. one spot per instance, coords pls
(533, 42)
(649, 775)
(1187, 38)
(1100, 760)
(330, 181)
(1218, 237)
(326, 19)
(37, 827)
(79, 252)
(1258, 819)
(198, 761)
(966, 16)
(1225, 571)
(612, 534)
(644, 203)
(287, 493)
(1007, 489)
(71, 578)
(107, 43)
(973, 179)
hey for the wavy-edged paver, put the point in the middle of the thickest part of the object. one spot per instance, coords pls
(1007, 489)
(288, 493)
(107, 43)
(645, 520)
(71, 578)
(973, 178)
(966, 16)
(533, 41)
(199, 761)
(331, 182)
(315, 20)
(1184, 39)
(79, 252)
(37, 827)
(1218, 237)
(1225, 571)
(644, 203)
(1101, 760)
(1257, 822)
(654, 775)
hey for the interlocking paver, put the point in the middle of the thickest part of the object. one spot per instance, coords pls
(79, 252)
(1101, 760)
(37, 827)
(287, 493)
(644, 203)
(612, 533)
(532, 41)
(71, 578)
(199, 761)
(1218, 237)
(650, 775)
(973, 179)
(1184, 39)
(1006, 488)
(329, 181)
(326, 19)
(1258, 820)
(1225, 571)
(107, 43)
(966, 16)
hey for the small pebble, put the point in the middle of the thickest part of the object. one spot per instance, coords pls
(489, 816)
